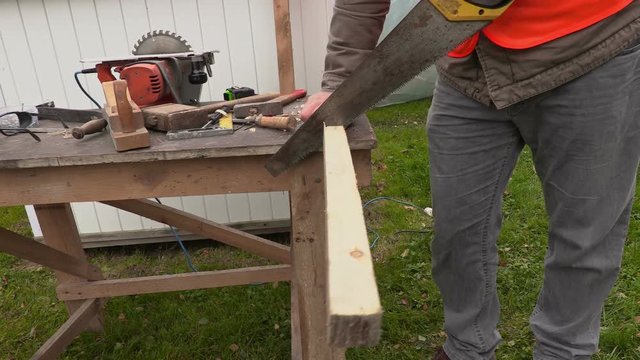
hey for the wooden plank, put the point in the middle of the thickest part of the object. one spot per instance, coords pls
(354, 310)
(224, 234)
(296, 331)
(284, 46)
(58, 150)
(308, 258)
(174, 282)
(29, 249)
(142, 180)
(122, 238)
(60, 232)
(174, 202)
(149, 179)
(76, 324)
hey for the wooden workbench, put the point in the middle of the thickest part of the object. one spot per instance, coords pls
(60, 170)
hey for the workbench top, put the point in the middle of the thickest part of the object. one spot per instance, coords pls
(61, 149)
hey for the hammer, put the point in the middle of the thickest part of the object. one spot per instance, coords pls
(267, 108)
(167, 117)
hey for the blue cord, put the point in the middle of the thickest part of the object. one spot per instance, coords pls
(375, 241)
(184, 249)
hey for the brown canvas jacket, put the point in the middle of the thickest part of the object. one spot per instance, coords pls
(491, 75)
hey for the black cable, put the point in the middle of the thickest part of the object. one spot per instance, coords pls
(75, 75)
(16, 131)
(402, 202)
(11, 131)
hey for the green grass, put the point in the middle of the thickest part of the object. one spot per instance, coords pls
(252, 322)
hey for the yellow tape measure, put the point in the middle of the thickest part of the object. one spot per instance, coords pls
(461, 10)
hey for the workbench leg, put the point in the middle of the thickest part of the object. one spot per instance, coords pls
(60, 232)
(308, 285)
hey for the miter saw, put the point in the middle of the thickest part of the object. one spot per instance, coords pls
(162, 68)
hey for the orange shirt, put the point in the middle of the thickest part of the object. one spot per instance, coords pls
(529, 23)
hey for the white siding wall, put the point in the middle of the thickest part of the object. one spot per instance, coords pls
(42, 41)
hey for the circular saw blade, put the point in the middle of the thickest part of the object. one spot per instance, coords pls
(160, 42)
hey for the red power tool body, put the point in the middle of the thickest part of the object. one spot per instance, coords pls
(145, 81)
(162, 68)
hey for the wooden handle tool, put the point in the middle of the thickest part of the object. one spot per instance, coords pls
(90, 127)
(285, 122)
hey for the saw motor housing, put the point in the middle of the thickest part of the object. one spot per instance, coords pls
(159, 80)
(162, 69)
(146, 83)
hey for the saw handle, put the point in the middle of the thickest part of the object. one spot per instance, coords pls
(90, 127)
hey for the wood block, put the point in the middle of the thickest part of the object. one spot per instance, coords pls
(354, 310)
(129, 141)
(126, 123)
(167, 117)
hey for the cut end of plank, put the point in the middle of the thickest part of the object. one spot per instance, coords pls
(348, 331)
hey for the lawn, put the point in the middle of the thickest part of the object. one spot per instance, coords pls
(252, 322)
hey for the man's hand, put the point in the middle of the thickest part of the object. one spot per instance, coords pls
(313, 103)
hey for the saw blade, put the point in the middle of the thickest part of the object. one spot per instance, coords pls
(160, 42)
(420, 39)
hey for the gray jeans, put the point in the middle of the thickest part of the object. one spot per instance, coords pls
(585, 139)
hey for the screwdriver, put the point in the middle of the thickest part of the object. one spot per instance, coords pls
(216, 116)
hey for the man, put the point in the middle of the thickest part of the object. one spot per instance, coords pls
(562, 77)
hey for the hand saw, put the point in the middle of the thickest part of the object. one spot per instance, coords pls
(430, 30)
